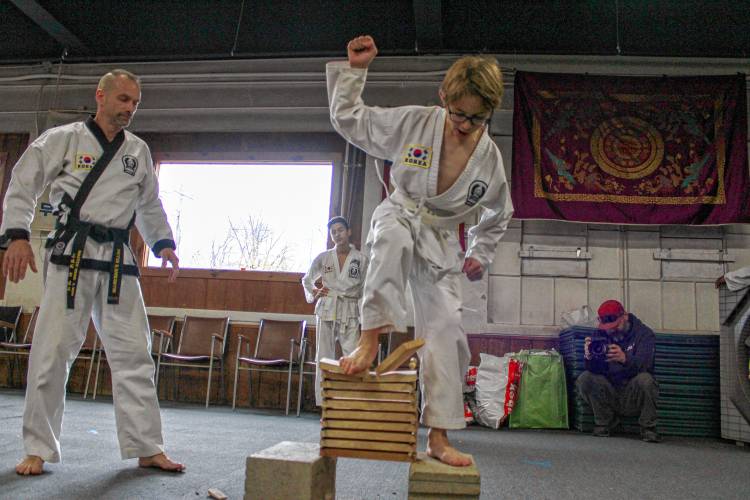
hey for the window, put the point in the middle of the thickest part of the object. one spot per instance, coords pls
(250, 216)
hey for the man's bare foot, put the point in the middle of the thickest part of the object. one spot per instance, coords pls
(161, 461)
(362, 357)
(439, 448)
(31, 465)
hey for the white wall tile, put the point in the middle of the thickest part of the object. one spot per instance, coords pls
(554, 227)
(537, 301)
(645, 302)
(606, 254)
(504, 300)
(691, 243)
(569, 294)
(601, 290)
(641, 262)
(738, 246)
(506, 259)
(691, 232)
(678, 302)
(707, 306)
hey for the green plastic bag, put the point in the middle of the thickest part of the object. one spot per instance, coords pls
(542, 396)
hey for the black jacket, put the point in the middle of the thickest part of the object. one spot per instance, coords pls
(638, 344)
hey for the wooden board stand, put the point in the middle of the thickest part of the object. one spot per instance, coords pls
(373, 414)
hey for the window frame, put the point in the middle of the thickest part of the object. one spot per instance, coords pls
(140, 250)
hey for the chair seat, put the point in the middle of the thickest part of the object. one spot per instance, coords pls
(183, 357)
(264, 362)
(11, 345)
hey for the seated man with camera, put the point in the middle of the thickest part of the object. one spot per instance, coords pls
(618, 380)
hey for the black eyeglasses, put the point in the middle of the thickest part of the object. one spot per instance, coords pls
(473, 119)
(610, 318)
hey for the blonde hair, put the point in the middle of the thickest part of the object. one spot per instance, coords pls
(107, 81)
(474, 75)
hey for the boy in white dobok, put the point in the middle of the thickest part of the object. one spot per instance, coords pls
(342, 271)
(102, 182)
(446, 168)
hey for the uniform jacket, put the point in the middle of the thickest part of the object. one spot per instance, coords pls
(344, 285)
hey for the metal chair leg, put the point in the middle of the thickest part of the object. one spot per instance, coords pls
(96, 376)
(236, 376)
(91, 366)
(210, 372)
(299, 388)
(288, 387)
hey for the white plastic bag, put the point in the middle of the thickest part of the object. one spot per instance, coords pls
(583, 316)
(492, 379)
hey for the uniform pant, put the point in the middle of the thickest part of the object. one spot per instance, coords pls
(637, 398)
(445, 356)
(326, 334)
(59, 335)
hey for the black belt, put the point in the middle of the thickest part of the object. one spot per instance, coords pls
(80, 231)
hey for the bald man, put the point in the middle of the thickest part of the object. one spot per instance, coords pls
(102, 182)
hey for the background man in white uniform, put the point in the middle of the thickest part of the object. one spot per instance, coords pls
(342, 271)
(90, 270)
(445, 169)
(735, 280)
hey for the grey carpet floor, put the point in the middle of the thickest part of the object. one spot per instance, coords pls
(515, 464)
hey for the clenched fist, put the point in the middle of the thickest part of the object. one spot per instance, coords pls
(361, 51)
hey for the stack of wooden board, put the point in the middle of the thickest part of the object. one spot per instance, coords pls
(371, 415)
(432, 479)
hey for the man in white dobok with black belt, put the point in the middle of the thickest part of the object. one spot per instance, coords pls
(342, 271)
(102, 182)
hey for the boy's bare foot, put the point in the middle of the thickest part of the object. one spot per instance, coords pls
(31, 465)
(161, 461)
(439, 448)
(362, 357)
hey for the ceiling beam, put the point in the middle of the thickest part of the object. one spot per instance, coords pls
(428, 20)
(52, 26)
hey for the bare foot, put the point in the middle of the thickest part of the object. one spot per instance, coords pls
(439, 448)
(362, 357)
(161, 461)
(31, 465)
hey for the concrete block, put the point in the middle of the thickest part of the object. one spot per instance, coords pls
(678, 303)
(554, 267)
(680, 269)
(738, 246)
(645, 302)
(504, 301)
(537, 301)
(601, 290)
(606, 254)
(707, 307)
(641, 262)
(569, 294)
(692, 232)
(290, 470)
(506, 259)
(554, 227)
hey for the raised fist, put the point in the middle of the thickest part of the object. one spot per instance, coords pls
(361, 51)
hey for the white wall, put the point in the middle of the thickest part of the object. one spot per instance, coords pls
(519, 295)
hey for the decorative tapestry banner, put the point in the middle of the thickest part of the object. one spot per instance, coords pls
(630, 150)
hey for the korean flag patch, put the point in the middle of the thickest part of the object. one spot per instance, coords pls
(416, 155)
(85, 161)
(129, 164)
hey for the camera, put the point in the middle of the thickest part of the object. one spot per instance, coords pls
(598, 350)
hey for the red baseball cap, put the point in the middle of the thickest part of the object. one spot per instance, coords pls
(610, 313)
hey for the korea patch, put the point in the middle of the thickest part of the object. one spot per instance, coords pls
(416, 155)
(129, 164)
(85, 161)
(476, 191)
(354, 269)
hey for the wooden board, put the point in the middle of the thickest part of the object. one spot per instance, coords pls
(444, 488)
(370, 396)
(332, 371)
(351, 404)
(365, 425)
(429, 469)
(369, 386)
(399, 356)
(358, 415)
(393, 437)
(367, 454)
(353, 444)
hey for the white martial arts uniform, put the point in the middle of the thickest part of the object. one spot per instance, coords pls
(336, 314)
(413, 233)
(62, 158)
(739, 279)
